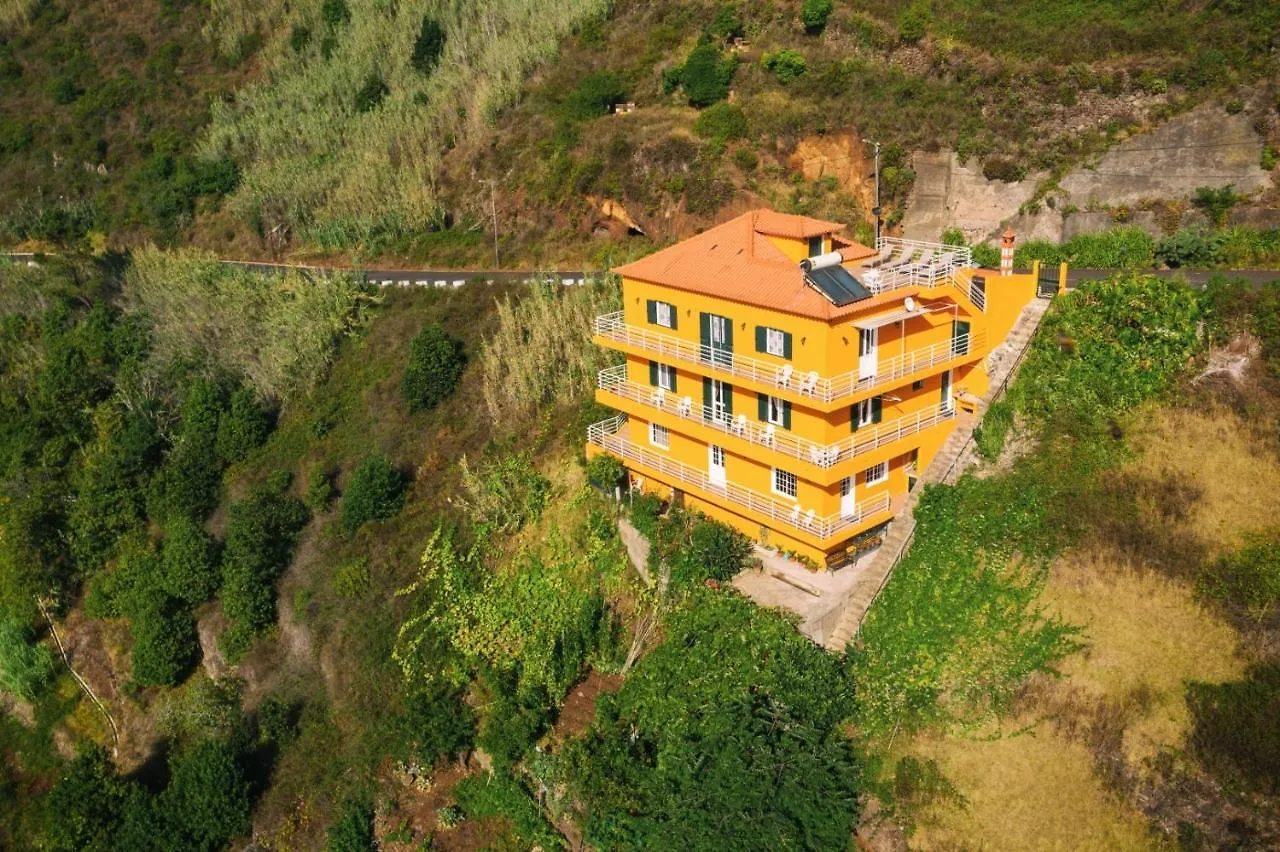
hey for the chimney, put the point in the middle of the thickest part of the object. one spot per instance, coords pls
(1006, 251)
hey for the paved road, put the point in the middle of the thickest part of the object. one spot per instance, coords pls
(458, 277)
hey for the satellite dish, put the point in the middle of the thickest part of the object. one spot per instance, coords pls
(910, 304)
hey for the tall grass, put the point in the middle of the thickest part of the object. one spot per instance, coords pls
(14, 11)
(278, 330)
(542, 350)
(311, 159)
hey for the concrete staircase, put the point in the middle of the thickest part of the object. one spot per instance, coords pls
(956, 455)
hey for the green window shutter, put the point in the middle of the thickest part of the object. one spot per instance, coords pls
(728, 334)
(675, 321)
(728, 400)
(853, 417)
(786, 344)
(651, 311)
(706, 397)
(875, 409)
(763, 399)
(786, 414)
(653, 373)
(704, 329)
(674, 381)
(762, 339)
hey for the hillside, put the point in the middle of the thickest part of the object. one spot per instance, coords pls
(352, 128)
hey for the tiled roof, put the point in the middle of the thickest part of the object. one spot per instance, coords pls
(737, 261)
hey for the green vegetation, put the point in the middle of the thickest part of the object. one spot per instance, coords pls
(721, 122)
(1235, 727)
(376, 493)
(1120, 248)
(428, 47)
(705, 75)
(353, 830)
(786, 64)
(24, 666)
(690, 753)
(1249, 578)
(503, 796)
(814, 14)
(436, 361)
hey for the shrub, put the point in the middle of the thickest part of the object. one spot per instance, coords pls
(727, 23)
(715, 550)
(372, 93)
(190, 571)
(319, 489)
(15, 135)
(506, 494)
(438, 721)
(164, 638)
(745, 159)
(376, 492)
(335, 13)
(596, 94)
(24, 666)
(436, 362)
(986, 255)
(510, 730)
(1190, 247)
(353, 829)
(786, 64)
(242, 427)
(706, 75)
(207, 802)
(64, 90)
(1270, 157)
(88, 801)
(299, 38)
(914, 22)
(721, 123)
(646, 510)
(502, 796)
(1216, 203)
(353, 578)
(606, 471)
(1002, 169)
(428, 46)
(814, 14)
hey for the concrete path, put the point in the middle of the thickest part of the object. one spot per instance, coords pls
(946, 467)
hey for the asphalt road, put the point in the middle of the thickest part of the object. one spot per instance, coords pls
(457, 277)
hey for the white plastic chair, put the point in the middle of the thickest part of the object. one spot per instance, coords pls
(808, 518)
(795, 516)
(686, 406)
(811, 386)
(659, 397)
(740, 424)
(784, 375)
(769, 433)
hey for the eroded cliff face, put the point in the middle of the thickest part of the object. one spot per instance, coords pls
(1204, 147)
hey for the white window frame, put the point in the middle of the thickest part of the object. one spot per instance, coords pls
(787, 480)
(876, 474)
(862, 413)
(662, 313)
(666, 377)
(775, 342)
(660, 436)
(775, 411)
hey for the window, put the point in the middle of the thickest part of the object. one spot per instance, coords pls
(867, 341)
(666, 376)
(784, 483)
(660, 436)
(662, 314)
(774, 341)
(815, 246)
(777, 411)
(876, 474)
(865, 413)
(918, 384)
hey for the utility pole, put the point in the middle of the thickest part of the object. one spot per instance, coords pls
(493, 203)
(875, 211)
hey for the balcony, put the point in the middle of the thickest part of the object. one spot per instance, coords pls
(779, 514)
(782, 379)
(768, 436)
(913, 263)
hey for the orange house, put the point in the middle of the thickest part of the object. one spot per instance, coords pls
(793, 383)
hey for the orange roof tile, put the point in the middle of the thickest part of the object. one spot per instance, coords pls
(736, 261)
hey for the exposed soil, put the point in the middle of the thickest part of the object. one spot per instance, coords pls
(413, 806)
(580, 706)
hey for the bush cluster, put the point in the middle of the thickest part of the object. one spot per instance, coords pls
(376, 492)
(721, 123)
(705, 75)
(786, 64)
(436, 362)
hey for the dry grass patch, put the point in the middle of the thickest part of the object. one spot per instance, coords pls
(1219, 452)
(1033, 791)
(1146, 635)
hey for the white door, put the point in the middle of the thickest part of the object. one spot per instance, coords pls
(715, 464)
(946, 392)
(719, 400)
(848, 506)
(868, 339)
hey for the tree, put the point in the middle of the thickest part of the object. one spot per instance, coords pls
(87, 803)
(372, 93)
(428, 47)
(436, 361)
(207, 801)
(706, 75)
(164, 638)
(814, 14)
(190, 570)
(727, 736)
(243, 426)
(376, 492)
(595, 95)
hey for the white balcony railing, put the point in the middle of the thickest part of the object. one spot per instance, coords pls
(944, 265)
(770, 436)
(606, 435)
(783, 377)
